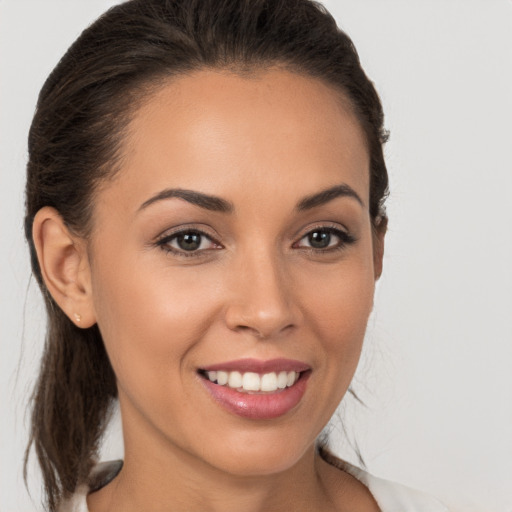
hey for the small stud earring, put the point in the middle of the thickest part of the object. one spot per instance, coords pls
(78, 317)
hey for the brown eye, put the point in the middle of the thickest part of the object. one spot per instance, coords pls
(326, 239)
(189, 241)
(319, 239)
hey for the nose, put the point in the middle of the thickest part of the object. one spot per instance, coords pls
(261, 301)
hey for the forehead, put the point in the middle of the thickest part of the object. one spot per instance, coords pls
(227, 134)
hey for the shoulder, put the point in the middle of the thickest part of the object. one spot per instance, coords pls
(100, 476)
(394, 497)
(390, 496)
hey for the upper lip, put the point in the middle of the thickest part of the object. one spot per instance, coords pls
(259, 366)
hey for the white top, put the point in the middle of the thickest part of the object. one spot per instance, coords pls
(390, 497)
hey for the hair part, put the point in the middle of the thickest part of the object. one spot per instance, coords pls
(75, 140)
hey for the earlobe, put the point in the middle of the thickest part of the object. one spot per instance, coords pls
(64, 266)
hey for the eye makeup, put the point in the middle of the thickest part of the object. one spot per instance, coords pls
(320, 238)
(194, 242)
(187, 242)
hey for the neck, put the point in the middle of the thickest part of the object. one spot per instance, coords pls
(158, 474)
(174, 480)
(188, 486)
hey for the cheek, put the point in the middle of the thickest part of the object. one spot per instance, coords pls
(338, 305)
(150, 316)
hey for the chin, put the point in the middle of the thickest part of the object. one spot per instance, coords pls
(258, 454)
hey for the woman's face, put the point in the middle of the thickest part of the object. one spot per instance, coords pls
(235, 244)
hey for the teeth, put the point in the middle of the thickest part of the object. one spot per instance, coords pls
(269, 382)
(282, 379)
(222, 378)
(235, 380)
(250, 381)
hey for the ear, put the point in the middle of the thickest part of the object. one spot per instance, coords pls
(64, 266)
(379, 234)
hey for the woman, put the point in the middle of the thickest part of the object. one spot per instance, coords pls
(205, 212)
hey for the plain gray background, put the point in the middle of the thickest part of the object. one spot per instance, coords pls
(436, 372)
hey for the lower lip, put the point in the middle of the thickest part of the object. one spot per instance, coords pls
(258, 406)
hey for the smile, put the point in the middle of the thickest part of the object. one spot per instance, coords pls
(257, 389)
(250, 382)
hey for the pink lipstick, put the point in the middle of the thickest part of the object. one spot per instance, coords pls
(257, 389)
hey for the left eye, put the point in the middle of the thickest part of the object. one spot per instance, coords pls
(325, 238)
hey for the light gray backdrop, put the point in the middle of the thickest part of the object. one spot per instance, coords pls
(436, 375)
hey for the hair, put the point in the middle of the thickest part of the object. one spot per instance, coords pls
(74, 144)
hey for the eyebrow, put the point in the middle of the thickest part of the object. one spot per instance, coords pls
(208, 202)
(217, 204)
(327, 195)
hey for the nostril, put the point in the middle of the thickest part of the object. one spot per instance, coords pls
(262, 309)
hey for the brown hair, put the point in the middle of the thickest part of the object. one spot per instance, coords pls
(81, 115)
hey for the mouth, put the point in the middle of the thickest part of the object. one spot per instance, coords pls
(251, 382)
(256, 389)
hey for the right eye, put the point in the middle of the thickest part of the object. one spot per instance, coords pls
(189, 242)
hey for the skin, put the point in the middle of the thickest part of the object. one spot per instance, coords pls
(263, 143)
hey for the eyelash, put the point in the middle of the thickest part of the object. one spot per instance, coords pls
(164, 242)
(345, 239)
